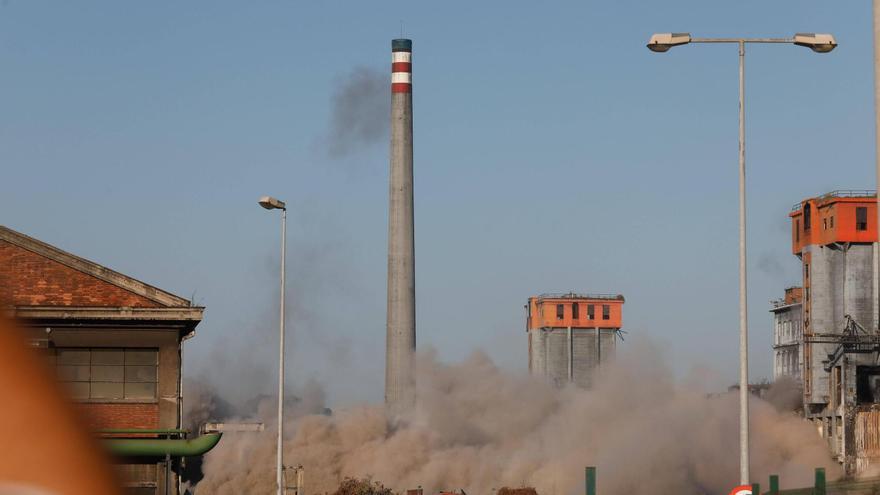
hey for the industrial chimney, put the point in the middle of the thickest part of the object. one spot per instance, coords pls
(401, 316)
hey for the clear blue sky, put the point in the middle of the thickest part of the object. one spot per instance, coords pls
(553, 153)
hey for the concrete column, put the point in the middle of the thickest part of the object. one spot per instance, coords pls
(876, 26)
(401, 315)
(537, 352)
(875, 294)
(570, 356)
(546, 338)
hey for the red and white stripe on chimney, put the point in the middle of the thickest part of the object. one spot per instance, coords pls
(401, 68)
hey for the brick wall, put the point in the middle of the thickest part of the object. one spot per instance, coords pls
(103, 416)
(28, 279)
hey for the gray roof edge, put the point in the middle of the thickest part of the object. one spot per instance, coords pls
(189, 313)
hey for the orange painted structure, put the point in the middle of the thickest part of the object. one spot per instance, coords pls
(839, 216)
(570, 334)
(576, 311)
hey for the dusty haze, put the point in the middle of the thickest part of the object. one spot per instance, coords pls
(477, 427)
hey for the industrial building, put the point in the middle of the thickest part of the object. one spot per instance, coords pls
(788, 333)
(571, 334)
(833, 235)
(115, 343)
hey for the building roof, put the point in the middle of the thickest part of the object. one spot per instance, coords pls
(834, 196)
(45, 282)
(573, 295)
(834, 218)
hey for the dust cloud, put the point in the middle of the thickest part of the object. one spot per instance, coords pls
(479, 428)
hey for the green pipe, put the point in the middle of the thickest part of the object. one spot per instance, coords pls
(774, 484)
(153, 447)
(819, 483)
(590, 480)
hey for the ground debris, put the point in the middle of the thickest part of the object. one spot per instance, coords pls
(523, 490)
(361, 486)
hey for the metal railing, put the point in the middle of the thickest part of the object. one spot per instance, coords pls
(860, 486)
(840, 193)
(778, 303)
(573, 295)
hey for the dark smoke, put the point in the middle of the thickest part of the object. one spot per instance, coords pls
(771, 265)
(360, 112)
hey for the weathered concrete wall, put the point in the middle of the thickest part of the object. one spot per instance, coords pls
(821, 317)
(586, 356)
(821, 283)
(557, 356)
(537, 352)
(858, 284)
(841, 281)
(551, 349)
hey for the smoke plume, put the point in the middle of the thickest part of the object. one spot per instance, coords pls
(479, 428)
(360, 112)
(770, 265)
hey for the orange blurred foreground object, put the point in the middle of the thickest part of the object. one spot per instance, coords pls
(46, 449)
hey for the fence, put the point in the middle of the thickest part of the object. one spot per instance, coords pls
(863, 486)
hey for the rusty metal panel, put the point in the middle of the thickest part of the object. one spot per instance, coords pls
(866, 436)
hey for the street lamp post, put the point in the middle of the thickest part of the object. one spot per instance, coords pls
(820, 43)
(271, 203)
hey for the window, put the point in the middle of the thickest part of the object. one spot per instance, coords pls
(797, 230)
(108, 373)
(832, 222)
(806, 217)
(591, 312)
(575, 311)
(807, 293)
(560, 311)
(824, 224)
(606, 312)
(868, 384)
(861, 218)
(806, 271)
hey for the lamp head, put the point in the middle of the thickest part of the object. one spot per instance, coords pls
(819, 43)
(662, 42)
(270, 203)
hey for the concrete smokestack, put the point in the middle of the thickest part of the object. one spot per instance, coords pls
(401, 316)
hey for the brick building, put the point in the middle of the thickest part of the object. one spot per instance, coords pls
(115, 343)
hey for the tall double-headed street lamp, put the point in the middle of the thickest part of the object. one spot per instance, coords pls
(820, 43)
(271, 203)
